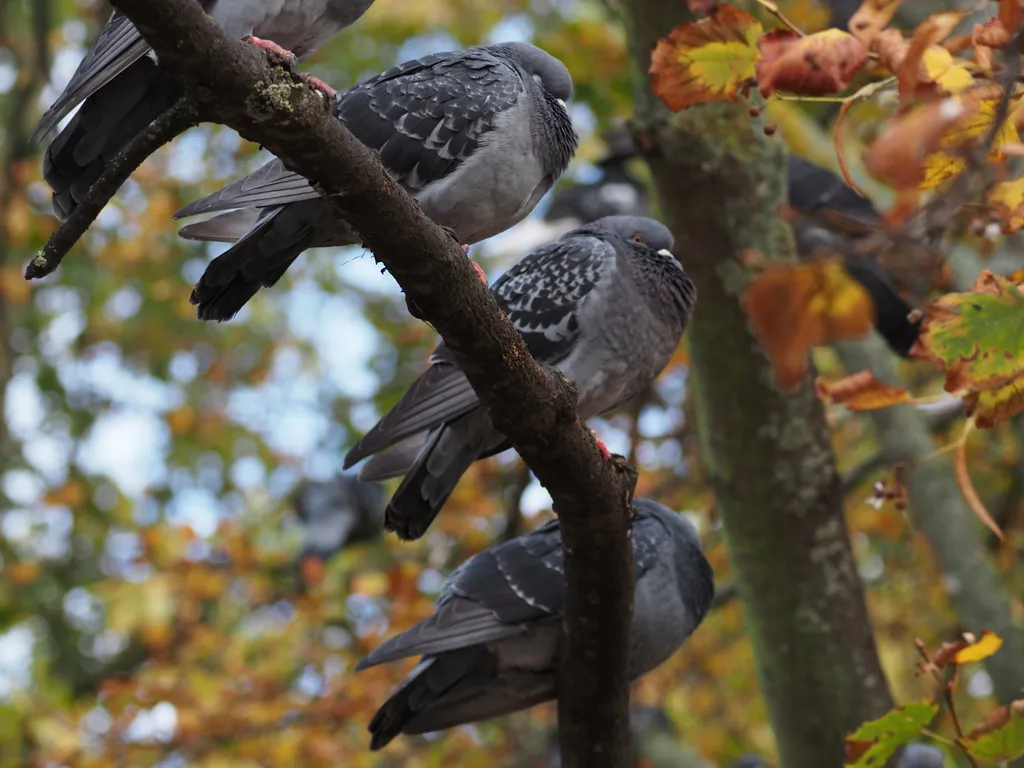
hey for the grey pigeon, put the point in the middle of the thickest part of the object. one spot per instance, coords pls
(337, 513)
(476, 136)
(124, 89)
(816, 192)
(922, 756)
(606, 304)
(491, 647)
(616, 193)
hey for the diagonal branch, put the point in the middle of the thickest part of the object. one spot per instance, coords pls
(170, 124)
(236, 85)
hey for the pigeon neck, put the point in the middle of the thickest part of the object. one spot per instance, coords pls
(661, 279)
(555, 140)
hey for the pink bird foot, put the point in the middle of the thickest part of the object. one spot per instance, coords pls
(600, 444)
(479, 272)
(270, 45)
(319, 85)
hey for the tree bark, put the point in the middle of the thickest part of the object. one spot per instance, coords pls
(766, 452)
(238, 86)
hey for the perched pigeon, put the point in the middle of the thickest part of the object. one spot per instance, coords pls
(491, 647)
(124, 89)
(921, 756)
(476, 136)
(337, 513)
(616, 193)
(815, 191)
(605, 303)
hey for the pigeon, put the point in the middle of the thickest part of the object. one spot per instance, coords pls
(336, 513)
(491, 647)
(814, 193)
(921, 756)
(476, 136)
(122, 88)
(616, 193)
(606, 304)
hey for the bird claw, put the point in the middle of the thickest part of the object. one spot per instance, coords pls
(600, 444)
(270, 45)
(319, 85)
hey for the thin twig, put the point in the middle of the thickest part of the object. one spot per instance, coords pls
(170, 124)
(947, 692)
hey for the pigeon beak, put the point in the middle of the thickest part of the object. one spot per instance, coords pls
(666, 252)
(563, 105)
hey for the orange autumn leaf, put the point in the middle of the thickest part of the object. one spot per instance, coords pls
(861, 392)
(871, 18)
(982, 648)
(814, 65)
(706, 60)
(794, 308)
(897, 156)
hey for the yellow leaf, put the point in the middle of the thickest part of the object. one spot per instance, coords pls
(706, 60)
(871, 18)
(1006, 200)
(945, 72)
(987, 644)
(940, 166)
(993, 407)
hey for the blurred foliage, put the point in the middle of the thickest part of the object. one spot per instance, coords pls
(151, 610)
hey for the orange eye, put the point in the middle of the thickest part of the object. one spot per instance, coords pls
(638, 238)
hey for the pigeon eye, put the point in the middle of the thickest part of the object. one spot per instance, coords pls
(637, 238)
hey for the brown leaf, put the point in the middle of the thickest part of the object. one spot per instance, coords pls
(794, 308)
(815, 65)
(997, 719)
(985, 37)
(897, 155)
(861, 392)
(871, 18)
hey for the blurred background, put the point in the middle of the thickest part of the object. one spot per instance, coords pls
(184, 577)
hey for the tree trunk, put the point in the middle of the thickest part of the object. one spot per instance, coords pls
(766, 452)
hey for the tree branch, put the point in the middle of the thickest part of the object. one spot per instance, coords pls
(170, 124)
(236, 85)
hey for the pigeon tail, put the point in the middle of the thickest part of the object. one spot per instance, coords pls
(891, 310)
(107, 121)
(448, 451)
(256, 261)
(463, 686)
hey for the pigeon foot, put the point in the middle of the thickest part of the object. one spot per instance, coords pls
(319, 85)
(479, 270)
(600, 444)
(270, 45)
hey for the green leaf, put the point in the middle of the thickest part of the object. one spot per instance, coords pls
(876, 741)
(1002, 745)
(977, 337)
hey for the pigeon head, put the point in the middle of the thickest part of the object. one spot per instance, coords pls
(640, 229)
(547, 71)
(696, 579)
